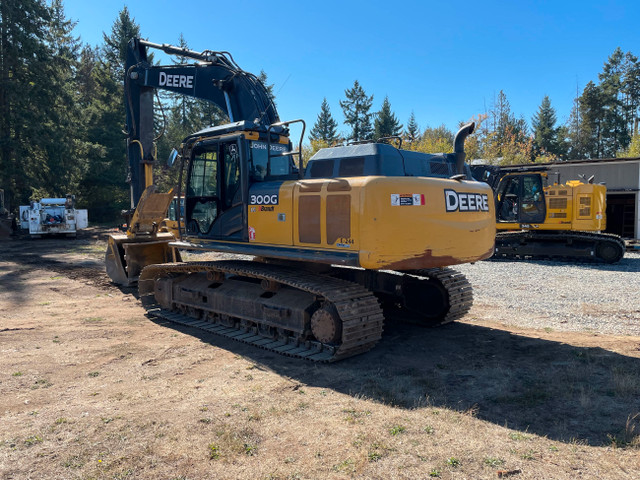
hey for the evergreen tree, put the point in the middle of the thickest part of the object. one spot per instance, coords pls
(386, 124)
(631, 92)
(545, 133)
(577, 133)
(507, 140)
(614, 133)
(183, 106)
(412, 133)
(64, 150)
(23, 85)
(268, 86)
(356, 108)
(325, 127)
(105, 184)
(115, 44)
(592, 115)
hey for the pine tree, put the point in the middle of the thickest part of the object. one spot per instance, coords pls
(65, 148)
(592, 114)
(105, 184)
(269, 87)
(115, 44)
(577, 133)
(507, 139)
(614, 133)
(412, 133)
(23, 88)
(356, 112)
(631, 92)
(325, 127)
(545, 132)
(386, 124)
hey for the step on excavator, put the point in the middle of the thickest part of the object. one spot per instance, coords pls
(363, 233)
(537, 219)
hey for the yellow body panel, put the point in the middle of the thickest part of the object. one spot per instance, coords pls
(273, 224)
(407, 237)
(401, 223)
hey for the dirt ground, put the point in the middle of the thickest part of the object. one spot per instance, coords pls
(91, 388)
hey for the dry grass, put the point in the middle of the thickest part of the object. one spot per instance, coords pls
(92, 389)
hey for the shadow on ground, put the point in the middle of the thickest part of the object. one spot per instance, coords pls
(52, 253)
(543, 387)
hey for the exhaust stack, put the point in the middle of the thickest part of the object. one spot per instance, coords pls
(458, 145)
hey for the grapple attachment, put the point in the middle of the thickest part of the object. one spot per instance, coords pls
(128, 253)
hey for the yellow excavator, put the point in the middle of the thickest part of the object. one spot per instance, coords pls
(541, 219)
(363, 233)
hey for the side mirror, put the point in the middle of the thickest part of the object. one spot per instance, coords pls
(173, 156)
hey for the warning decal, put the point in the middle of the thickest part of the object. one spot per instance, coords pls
(402, 199)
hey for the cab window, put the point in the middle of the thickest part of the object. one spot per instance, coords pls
(204, 175)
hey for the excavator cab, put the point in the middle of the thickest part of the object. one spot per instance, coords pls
(226, 172)
(520, 199)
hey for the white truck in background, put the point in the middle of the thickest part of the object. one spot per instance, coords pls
(52, 216)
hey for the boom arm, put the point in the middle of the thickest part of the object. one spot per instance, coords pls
(214, 77)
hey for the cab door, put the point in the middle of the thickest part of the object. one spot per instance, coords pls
(216, 189)
(532, 204)
(507, 204)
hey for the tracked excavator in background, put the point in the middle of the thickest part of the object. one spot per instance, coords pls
(537, 219)
(363, 233)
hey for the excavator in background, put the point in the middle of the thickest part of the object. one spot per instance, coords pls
(364, 232)
(539, 220)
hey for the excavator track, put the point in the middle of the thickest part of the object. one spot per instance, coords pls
(358, 309)
(573, 246)
(427, 297)
(458, 291)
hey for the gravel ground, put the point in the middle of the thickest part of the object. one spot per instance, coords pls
(560, 296)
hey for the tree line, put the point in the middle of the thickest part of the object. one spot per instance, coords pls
(603, 123)
(62, 114)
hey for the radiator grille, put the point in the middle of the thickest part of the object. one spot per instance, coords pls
(440, 168)
(309, 218)
(585, 206)
(338, 217)
(558, 203)
(585, 212)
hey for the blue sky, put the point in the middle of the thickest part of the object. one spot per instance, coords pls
(446, 61)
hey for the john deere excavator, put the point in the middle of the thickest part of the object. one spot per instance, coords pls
(363, 232)
(554, 221)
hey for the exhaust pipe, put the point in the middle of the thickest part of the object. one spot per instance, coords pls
(458, 145)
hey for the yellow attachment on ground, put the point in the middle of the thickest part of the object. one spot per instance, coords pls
(144, 243)
(150, 212)
(127, 256)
